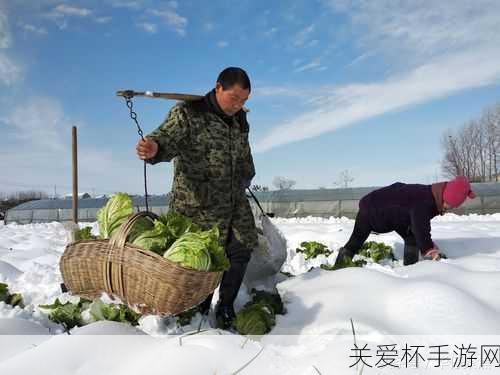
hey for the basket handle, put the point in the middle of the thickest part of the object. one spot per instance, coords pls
(114, 275)
(119, 237)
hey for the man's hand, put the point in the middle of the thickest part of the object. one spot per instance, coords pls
(146, 148)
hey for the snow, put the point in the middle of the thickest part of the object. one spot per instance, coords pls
(452, 301)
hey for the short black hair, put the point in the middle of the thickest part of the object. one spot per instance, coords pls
(232, 76)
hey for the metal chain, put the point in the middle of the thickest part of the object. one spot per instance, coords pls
(133, 116)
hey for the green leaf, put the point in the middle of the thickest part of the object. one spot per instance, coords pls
(116, 313)
(4, 292)
(190, 251)
(311, 249)
(377, 251)
(116, 212)
(67, 314)
(254, 319)
(84, 234)
(199, 250)
(273, 300)
(15, 299)
(154, 239)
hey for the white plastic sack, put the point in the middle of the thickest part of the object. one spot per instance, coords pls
(268, 258)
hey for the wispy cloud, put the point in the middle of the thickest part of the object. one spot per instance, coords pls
(171, 19)
(10, 72)
(349, 104)
(130, 4)
(304, 37)
(104, 19)
(272, 31)
(61, 13)
(33, 29)
(360, 58)
(222, 44)
(68, 10)
(148, 27)
(314, 65)
(5, 37)
(42, 130)
(277, 91)
(436, 48)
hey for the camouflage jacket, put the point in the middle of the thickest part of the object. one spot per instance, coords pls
(212, 162)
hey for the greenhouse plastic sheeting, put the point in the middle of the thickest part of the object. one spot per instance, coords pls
(283, 203)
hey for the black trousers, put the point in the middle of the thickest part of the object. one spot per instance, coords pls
(363, 228)
(238, 256)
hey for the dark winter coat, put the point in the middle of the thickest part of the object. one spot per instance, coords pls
(212, 166)
(404, 208)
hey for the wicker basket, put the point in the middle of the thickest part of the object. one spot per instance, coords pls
(138, 277)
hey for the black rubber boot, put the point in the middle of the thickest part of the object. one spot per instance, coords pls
(204, 307)
(228, 291)
(410, 254)
(224, 315)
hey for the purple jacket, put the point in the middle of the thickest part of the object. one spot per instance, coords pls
(404, 208)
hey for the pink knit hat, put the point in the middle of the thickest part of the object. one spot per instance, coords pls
(456, 191)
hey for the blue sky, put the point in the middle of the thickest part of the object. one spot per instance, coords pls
(363, 86)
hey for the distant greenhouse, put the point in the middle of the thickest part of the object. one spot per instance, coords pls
(47, 210)
(283, 203)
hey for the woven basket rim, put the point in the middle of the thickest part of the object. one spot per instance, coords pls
(145, 252)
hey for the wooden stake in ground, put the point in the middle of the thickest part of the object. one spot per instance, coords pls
(75, 175)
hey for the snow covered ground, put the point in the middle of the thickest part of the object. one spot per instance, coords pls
(451, 303)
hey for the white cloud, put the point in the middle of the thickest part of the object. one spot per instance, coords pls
(105, 19)
(5, 37)
(424, 28)
(352, 103)
(313, 65)
(272, 31)
(38, 124)
(148, 27)
(35, 152)
(222, 44)
(172, 19)
(61, 13)
(68, 10)
(10, 72)
(130, 4)
(302, 38)
(277, 91)
(436, 48)
(33, 29)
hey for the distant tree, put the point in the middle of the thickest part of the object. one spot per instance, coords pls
(258, 188)
(7, 201)
(474, 149)
(344, 180)
(283, 183)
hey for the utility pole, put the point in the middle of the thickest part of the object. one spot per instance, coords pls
(75, 175)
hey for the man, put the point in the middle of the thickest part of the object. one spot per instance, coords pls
(408, 210)
(208, 140)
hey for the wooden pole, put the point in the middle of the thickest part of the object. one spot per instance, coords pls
(75, 175)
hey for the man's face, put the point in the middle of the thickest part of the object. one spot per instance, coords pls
(232, 99)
